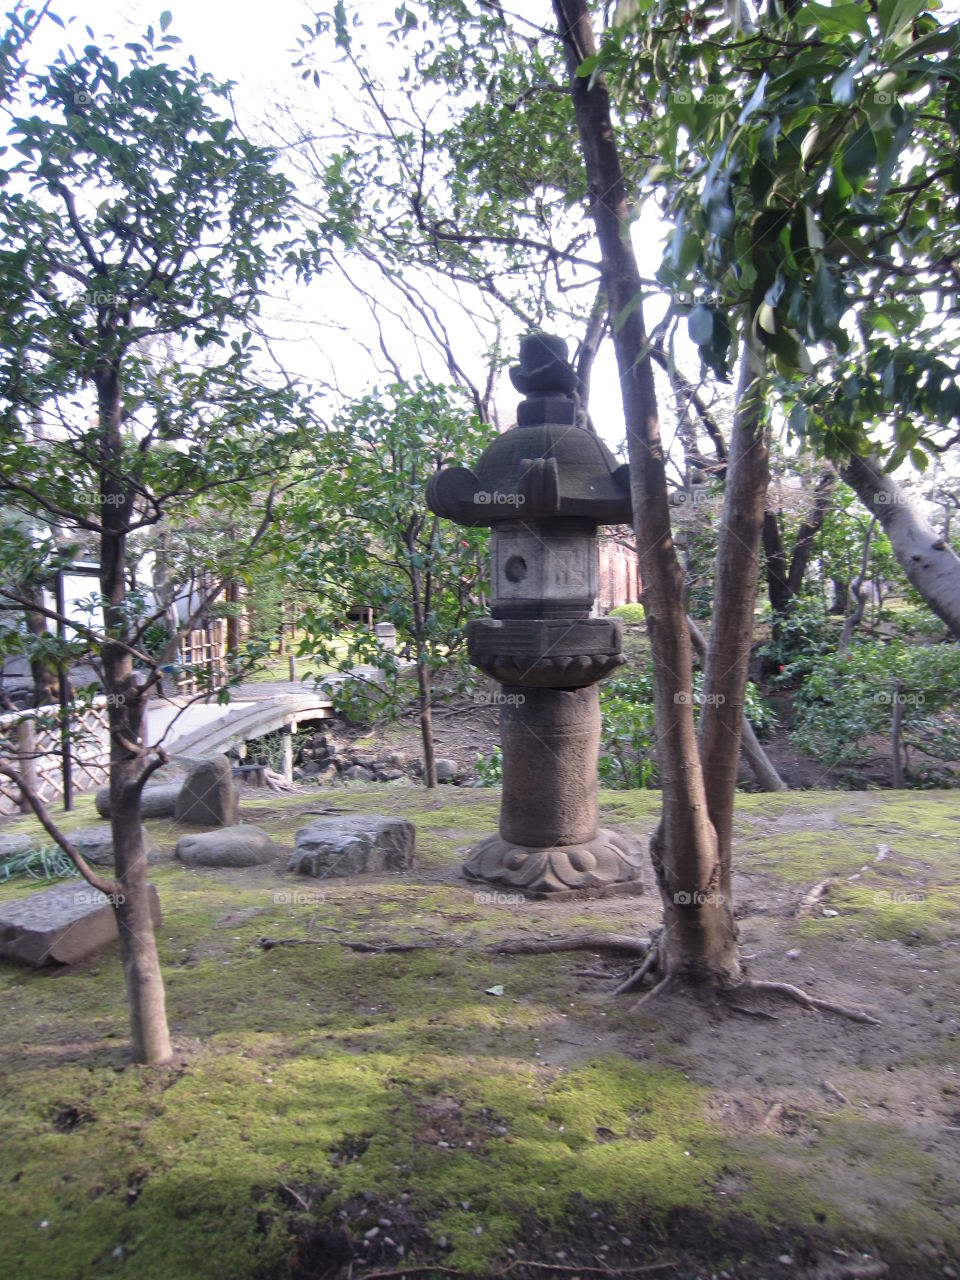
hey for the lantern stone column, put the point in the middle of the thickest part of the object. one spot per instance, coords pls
(543, 487)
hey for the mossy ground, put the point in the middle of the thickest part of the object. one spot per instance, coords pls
(318, 1093)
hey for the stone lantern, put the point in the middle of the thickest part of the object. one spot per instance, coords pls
(543, 487)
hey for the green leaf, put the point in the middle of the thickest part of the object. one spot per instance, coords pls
(834, 20)
(165, 19)
(700, 325)
(859, 156)
(841, 90)
(755, 99)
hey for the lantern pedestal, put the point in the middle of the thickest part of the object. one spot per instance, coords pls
(549, 839)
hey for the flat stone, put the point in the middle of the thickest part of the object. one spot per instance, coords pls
(208, 797)
(351, 844)
(11, 845)
(61, 925)
(240, 846)
(158, 801)
(95, 844)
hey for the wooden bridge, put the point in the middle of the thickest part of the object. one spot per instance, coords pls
(208, 728)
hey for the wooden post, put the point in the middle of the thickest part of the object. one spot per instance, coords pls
(64, 699)
(286, 763)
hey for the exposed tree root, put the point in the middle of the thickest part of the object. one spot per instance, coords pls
(377, 948)
(809, 1002)
(585, 942)
(663, 985)
(650, 962)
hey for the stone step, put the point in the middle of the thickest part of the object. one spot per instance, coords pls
(61, 925)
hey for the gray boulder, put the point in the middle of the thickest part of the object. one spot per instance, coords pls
(208, 797)
(61, 925)
(240, 846)
(95, 844)
(158, 801)
(350, 844)
(447, 770)
(358, 773)
(10, 845)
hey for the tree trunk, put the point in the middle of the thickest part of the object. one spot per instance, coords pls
(44, 672)
(859, 595)
(754, 754)
(896, 761)
(785, 582)
(778, 592)
(734, 600)
(231, 593)
(930, 563)
(699, 940)
(426, 724)
(126, 709)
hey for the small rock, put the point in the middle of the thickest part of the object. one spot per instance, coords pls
(371, 1234)
(829, 912)
(358, 773)
(626, 1242)
(794, 954)
(447, 770)
(785, 1259)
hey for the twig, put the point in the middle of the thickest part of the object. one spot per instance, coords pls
(834, 1092)
(811, 899)
(809, 1002)
(296, 1195)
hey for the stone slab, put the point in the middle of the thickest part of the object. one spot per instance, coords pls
(95, 844)
(354, 844)
(240, 846)
(61, 925)
(158, 801)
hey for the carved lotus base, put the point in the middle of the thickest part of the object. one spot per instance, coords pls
(609, 858)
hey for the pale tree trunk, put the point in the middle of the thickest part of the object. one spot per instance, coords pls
(699, 939)
(930, 563)
(734, 599)
(126, 709)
